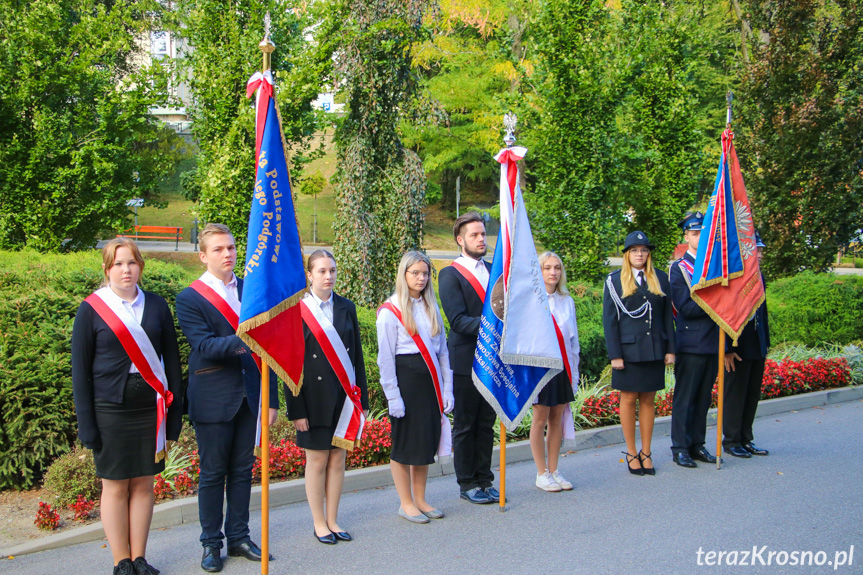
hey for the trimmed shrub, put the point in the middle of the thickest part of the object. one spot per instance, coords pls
(369, 337)
(815, 309)
(591, 337)
(39, 296)
(72, 475)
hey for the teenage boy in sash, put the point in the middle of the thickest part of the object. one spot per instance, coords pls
(697, 361)
(462, 291)
(223, 398)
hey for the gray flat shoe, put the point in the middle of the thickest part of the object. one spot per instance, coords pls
(433, 513)
(413, 518)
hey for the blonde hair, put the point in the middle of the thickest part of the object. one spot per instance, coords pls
(561, 283)
(211, 230)
(403, 298)
(627, 278)
(109, 254)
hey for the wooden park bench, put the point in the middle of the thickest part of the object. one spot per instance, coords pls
(149, 233)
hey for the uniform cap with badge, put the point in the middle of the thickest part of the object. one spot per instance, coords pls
(637, 238)
(692, 221)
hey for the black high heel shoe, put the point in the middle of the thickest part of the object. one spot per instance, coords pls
(630, 458)
(646, 470)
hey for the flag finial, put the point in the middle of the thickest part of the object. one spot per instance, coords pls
(728, 98)
(266, 45)
(509, 122)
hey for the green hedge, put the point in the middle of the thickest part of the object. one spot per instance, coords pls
(39, 295)
(815, 309)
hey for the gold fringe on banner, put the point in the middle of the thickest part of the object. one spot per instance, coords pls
(344, 443)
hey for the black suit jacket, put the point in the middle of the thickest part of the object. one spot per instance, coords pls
(321, 397)
(696, 332)
(463, 310)
(638, 339)
(100, 365)
(221, 368)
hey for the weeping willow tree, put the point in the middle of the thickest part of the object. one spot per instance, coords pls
(380, 184)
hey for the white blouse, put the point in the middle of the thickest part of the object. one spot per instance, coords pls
(393, 340)
(563, 309)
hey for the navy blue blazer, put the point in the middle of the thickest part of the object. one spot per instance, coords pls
(463, 309)
(221, 368)
(321, 397)
(638, 339)
(696, 332)
(100, 365)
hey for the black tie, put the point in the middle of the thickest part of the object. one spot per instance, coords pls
(641, 278)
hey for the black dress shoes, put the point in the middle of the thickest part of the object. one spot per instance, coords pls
(703, 455)
(476, 495)
(750, 447)
(738, 451)
(683, 459)
(247, 549)
(212, 559)
(143, 568)
(124, 567)
(493, 493)
(343, 536)
(328, 539)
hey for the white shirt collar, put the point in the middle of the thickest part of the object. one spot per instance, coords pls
(212, 280)
(319, 301)
(692, 253)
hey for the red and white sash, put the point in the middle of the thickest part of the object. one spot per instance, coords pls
(232, 316)
(349, 429)
(480, 291)
(565, 349)
(423, 341)
(135, 342)
(687, 270)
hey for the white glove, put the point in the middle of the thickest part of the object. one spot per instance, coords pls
(448, 402)
(397, 407)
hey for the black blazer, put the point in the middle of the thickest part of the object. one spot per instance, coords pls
(463, 309)
(638, 339)
(696, 332)
(221, 368)
(100, 365)
(321, 396)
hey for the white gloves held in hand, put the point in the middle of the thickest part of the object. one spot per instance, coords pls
(396, 407)
(448, 402)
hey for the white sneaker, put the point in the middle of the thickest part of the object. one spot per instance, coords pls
(564, 484)
(547, 483)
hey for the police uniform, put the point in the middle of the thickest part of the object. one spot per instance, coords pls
(743, 385)
(696, 363)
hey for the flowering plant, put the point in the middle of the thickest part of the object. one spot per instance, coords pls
(46, 518)
(375, 446)
(83, 508)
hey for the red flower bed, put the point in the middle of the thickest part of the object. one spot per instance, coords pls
(783, 378)
(286, 460)
(375, 447)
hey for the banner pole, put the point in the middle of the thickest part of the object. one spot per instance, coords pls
(502, 468)
(720, 398)
(265, 468)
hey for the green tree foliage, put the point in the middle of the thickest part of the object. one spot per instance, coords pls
(222, 38)
(476, 66)
(74, 119)
(802, 114)
(380, 185)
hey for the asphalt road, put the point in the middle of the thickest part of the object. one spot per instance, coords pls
(805, 496)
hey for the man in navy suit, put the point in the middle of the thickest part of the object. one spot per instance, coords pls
(223, 397)
(744, 373)
(697, 359)
(472, 434)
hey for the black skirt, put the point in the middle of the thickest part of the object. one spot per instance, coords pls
(558, 391)
(128, 432)
(319, 438)
(416, 435)
(639, 376)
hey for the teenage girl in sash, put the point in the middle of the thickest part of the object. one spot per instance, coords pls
(417, 381)
(333, 403)
(126, 380)
(555, 397)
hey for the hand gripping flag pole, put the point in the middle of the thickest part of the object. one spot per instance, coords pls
(517, 349)
(270, 316)
(726, 280)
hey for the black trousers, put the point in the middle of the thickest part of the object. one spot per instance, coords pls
(695, 374)
(227, 452)
(742, 393)
(472, 435)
